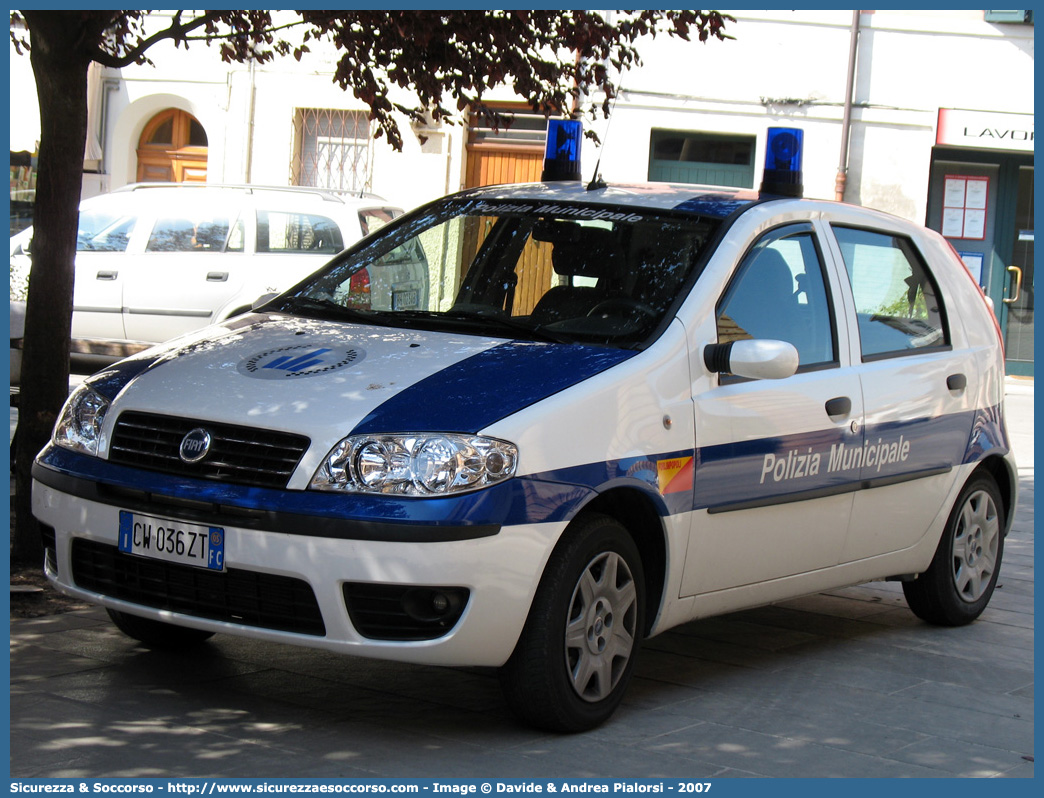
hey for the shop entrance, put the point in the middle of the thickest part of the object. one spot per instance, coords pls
(983, 203)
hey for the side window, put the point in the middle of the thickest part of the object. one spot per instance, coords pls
(102, 231)
(897, 301)
(779, 293)
(184, 234)
(284, 231)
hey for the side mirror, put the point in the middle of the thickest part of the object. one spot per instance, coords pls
(755, 359)
(262, 300)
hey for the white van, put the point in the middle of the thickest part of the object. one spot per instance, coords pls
(158, 260)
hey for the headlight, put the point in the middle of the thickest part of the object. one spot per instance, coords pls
(429, 464)
(79, 425)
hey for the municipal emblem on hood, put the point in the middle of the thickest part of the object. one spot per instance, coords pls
(194, 446)
(302, 360)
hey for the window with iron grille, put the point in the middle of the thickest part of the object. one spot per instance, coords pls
(332, 150)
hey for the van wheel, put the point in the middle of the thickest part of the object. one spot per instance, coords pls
(958, 584)
(576, 654)
(157, 634)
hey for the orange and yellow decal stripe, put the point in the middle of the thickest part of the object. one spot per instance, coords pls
(674, 475)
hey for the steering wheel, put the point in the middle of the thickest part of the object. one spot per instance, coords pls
(622, 305)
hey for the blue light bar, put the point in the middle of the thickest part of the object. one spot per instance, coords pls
(783, 153)
(562, 152)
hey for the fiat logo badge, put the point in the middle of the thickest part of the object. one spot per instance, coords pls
(194, 446)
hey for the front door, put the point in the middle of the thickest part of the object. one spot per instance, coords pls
(776, 504)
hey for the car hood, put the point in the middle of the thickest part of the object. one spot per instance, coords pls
(327, 379)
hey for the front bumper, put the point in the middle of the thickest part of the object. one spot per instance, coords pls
(499, 570)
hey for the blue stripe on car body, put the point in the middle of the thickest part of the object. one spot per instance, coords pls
(484, 388)
(729, 476)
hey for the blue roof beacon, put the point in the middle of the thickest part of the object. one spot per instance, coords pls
(783, 154)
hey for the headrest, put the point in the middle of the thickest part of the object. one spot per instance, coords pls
(595, 254)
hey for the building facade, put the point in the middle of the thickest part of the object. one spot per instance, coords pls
(924, 114)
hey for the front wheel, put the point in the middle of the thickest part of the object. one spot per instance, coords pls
(960, 581)
(576, 654)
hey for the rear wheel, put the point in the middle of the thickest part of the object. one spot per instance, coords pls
(157, 634)
(576, 654)
(960, 581)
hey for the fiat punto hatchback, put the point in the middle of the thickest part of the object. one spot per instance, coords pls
(606, 411)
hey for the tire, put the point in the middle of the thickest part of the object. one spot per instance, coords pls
(574, 659)
(960, 581)
(157, 634)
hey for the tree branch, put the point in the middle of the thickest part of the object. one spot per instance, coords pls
(177, 32)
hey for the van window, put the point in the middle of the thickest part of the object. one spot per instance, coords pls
(897, 301)
(103, 231)
(206, 233)
(282, 231)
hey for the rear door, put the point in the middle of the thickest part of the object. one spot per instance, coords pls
(916, 390)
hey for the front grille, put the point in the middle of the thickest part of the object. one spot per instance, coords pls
(243, 455)
(238, 596)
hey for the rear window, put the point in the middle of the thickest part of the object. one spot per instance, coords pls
(373, 219)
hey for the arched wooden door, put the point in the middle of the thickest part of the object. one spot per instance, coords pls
(172, 149)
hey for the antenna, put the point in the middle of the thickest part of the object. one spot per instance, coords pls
(596, 179)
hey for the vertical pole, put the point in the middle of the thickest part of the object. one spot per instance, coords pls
(846, 122)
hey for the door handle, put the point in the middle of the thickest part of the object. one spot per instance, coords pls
(106, 275)
(217, 277)
(957, 382)
(1018, 285)
(839, 406)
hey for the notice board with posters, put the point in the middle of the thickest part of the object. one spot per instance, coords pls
(964, 207)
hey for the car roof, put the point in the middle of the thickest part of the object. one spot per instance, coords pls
(297, 192)
(712, 201)
(709, 201)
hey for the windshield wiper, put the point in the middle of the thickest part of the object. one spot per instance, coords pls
(488, 322)
(326, 308)
(535, 331)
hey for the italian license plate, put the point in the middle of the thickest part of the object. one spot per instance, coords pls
(172, 541)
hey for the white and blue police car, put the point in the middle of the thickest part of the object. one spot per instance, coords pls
(605, 410)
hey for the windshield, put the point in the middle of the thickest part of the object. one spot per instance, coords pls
(568, 273)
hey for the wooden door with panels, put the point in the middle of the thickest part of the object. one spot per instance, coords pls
(513, 153)
(172, 149)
